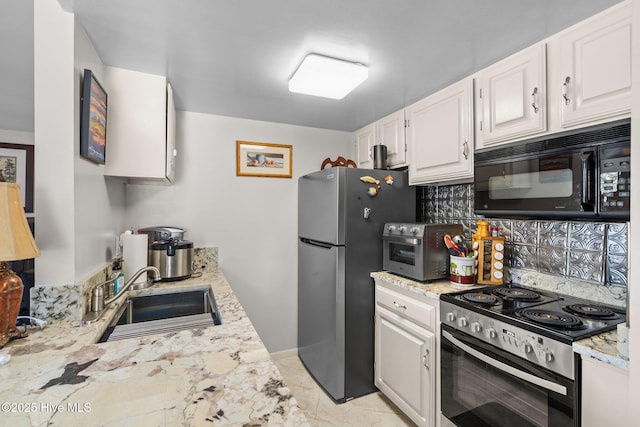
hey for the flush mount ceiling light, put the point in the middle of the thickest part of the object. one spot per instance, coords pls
(327, 77)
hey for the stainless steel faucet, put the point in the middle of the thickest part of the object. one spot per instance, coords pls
(98, 303)
(149, 268)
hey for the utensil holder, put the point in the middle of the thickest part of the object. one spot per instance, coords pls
(490, 259)
(462, 270)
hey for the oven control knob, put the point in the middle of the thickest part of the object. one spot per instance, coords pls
(402, 229)
(451, 317)
(547, 356)
(463, 322)
(414, 230)
(491, 333)
(476, 327)
(528, 348)
(391, 227)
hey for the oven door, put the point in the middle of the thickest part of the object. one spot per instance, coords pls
(403, 256)
(485, 386)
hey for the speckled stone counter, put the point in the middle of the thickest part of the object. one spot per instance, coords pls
(602, 347)
(219, 375)
(431, 290)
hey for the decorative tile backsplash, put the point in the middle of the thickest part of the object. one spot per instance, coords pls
(594, 252)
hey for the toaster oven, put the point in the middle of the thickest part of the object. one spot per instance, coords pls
(417, 251)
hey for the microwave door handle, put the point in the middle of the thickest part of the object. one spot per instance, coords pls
(588, 184)
(525, 376)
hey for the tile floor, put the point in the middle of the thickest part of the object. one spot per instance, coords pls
(370, 410)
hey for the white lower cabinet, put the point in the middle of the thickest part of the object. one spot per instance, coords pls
(406, 351)
(605, 394)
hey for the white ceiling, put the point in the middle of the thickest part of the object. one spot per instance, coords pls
(234, 57)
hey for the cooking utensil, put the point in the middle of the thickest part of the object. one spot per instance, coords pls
(451, 245)
(459, 241)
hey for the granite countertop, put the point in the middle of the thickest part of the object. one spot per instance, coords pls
(219, 375)
(431, 289)
(602, 347)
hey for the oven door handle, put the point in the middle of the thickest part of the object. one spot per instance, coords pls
(546, 384)
(406, 240)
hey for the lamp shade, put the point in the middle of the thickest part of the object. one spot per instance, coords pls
(16, 240)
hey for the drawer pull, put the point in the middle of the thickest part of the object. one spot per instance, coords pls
(400, 306)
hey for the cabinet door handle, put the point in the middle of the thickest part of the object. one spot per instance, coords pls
(565, 88)
(533, 97)
(465, 149)
(425, 359)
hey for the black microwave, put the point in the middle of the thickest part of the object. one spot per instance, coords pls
(582, 174)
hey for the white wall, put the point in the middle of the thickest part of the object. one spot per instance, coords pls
(54, 138)
(253, 221)
(78, 212)
(16, 137)
(99, 201)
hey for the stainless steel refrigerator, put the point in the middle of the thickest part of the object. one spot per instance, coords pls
(340, 223)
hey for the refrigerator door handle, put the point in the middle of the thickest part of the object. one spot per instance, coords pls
(316, 243)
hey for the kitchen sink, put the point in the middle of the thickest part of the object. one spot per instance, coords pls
(155, 314)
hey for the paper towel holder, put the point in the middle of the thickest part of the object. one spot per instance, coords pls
(134, 254)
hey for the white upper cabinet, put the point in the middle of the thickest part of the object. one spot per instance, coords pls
(511, 97)
(578, 77)
(594, 68)
(141, 127)
(171, 151)
(391, 132)
(440, 135)
(365, 140)
(387, 131)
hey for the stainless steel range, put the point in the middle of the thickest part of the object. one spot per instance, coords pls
(507, 355)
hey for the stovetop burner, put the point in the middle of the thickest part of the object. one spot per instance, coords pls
(591, 310)
(561, 317)
(503, 299)
(554, 319)
(480, 298)
(539, 326)
(517, 294)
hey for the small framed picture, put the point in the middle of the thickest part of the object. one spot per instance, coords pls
(93, 122)
(263, 160)
(16, 165)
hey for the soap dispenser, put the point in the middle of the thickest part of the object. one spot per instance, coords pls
(118, 275)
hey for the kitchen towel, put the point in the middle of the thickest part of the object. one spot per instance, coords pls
(134, 254)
